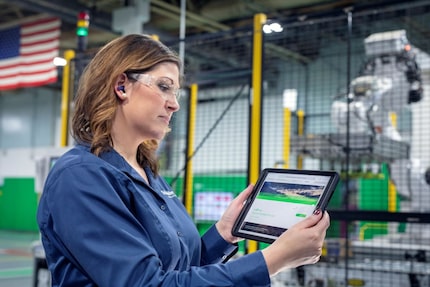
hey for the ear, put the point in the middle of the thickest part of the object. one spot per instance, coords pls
(119, 87)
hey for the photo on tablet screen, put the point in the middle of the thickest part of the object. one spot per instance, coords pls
(281, 200)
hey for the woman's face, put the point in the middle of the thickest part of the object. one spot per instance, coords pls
(146, 110)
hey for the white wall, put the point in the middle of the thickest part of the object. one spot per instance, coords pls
(420, 144)
(29, 117)
(21, 162)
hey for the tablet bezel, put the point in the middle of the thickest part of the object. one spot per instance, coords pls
(321, 203)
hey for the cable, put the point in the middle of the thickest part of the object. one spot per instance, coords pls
(224, 112)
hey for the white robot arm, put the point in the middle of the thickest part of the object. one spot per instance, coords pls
(389, 80)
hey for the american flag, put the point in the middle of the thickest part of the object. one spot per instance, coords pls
(27, 50)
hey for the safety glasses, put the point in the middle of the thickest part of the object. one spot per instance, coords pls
(163, 85)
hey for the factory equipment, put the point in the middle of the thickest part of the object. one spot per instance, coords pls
(366, 135)
(41, 275)
(389, 80)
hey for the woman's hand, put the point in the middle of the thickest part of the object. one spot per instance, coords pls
(225, 224)
(299, 245)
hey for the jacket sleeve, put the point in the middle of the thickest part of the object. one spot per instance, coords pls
(100, 235)
(214, 248)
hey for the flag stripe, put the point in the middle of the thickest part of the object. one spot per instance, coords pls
(29, 78)
(26, 69)
(28, 52)
(36, 38)
(47, 49)
(41, 24)
(51, 39)
(32, 59)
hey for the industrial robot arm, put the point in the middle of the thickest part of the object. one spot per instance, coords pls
(389, 80)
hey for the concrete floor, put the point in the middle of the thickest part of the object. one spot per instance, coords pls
(16, 258)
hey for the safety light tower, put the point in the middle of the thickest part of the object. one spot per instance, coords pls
(82, 30)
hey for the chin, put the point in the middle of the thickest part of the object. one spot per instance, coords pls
(159, 136)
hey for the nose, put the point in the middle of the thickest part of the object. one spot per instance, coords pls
(173, 104)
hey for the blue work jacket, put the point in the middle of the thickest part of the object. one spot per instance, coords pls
(103, 225)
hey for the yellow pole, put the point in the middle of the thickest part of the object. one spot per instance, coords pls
(255, 128)
(287, 136)
(300, 122)
(393, 119)
(392, 192)
(392, 196)
(65, 96)
(255, 125)
(300, 132)
(190, 149)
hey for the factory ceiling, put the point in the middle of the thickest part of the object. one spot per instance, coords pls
(205, 18)
(164, 17)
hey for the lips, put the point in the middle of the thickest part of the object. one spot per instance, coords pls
(166, 119)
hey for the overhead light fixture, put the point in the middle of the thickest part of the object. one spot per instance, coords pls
(273, 27)
(60, 62)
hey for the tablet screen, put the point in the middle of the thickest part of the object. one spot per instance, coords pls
(280, 199)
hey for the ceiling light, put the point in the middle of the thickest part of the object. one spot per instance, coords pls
(58, 61)
(272, 27)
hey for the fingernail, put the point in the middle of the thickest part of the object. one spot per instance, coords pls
(317, 211)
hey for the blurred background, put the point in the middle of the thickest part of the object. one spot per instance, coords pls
(327, 85)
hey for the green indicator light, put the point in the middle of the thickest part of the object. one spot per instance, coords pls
(300, 215)
(82, 31)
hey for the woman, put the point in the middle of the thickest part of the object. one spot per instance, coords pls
(108, 219)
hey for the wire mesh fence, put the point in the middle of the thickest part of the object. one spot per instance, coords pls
(359, 83)
(220, 156)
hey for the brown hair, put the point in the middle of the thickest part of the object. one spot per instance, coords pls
(96, 102)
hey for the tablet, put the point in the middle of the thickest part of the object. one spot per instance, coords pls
(281, 198)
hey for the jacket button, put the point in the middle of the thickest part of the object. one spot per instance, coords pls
(163, 207)
(179, 233)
